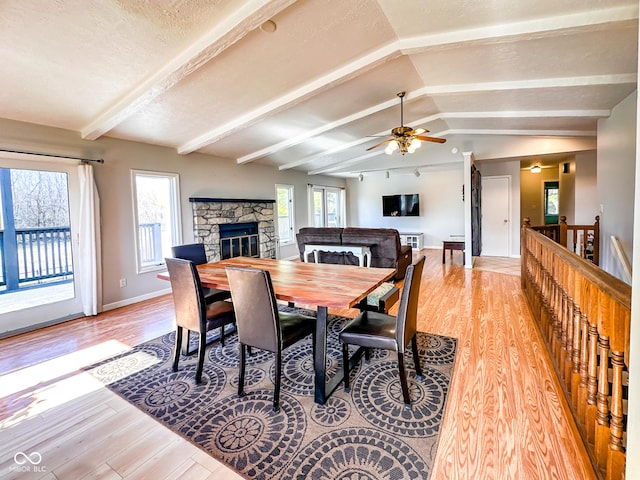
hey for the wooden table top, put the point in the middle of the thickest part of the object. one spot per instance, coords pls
(320, 284)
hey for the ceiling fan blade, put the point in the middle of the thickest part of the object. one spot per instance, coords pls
(430, 139)
(381, 143)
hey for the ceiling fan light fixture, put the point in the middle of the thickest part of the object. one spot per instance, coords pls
(536, 169)
(405, 139)
(392, 147)
(414, 144)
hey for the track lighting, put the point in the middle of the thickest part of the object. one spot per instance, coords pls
(416, 172)
(386, 174)
(361, 177)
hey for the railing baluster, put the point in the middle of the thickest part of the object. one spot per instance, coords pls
(584, 315)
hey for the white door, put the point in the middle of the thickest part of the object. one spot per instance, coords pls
(496, 222)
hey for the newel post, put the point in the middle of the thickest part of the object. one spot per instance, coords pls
(563, 231)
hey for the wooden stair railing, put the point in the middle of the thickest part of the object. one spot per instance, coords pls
(581, 239)
(583, 314)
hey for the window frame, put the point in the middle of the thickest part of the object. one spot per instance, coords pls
(548, 185)
(323, 214)
(291, 216)
(174, 207)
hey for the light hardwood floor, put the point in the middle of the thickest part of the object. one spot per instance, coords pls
(505, 418)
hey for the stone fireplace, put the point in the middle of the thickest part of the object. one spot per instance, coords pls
(210, 213)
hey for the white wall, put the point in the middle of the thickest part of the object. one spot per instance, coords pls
(441, 206)
(200, 175)
(586, 200)
(616, 173)
(512, 169)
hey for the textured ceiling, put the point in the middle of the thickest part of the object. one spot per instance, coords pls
(203, 76)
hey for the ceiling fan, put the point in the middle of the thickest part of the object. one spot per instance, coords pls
(403, 138)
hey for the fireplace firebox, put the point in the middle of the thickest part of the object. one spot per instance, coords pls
(239, 240)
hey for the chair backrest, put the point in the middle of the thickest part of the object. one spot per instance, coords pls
(407, 319)
(257, 319)
(188, 297)
(192, 251)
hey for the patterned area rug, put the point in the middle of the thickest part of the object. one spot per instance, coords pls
(367, 434)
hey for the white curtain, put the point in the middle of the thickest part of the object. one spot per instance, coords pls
(89, 273)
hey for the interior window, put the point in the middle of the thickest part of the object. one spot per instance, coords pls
(157, 217)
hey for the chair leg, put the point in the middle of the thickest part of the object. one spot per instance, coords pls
(222, 335)
(201, 349)
(367, 355)
(276, 391)
(345, 366)
(403, 381)
(416, 357)
(243, 350)
(176, 350)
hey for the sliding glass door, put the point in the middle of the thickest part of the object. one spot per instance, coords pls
(38, 258)
(327, 206)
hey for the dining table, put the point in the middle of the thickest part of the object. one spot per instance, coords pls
(319, 285)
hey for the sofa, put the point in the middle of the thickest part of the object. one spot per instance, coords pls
(386, 251)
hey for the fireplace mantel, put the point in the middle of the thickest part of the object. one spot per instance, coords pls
(228, 200)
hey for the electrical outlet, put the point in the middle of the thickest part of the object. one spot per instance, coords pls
(123, 282)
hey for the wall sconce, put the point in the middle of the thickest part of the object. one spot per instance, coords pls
(386, 174)
(536, 169)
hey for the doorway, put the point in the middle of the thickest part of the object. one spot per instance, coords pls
(39, 212)
(496, 216)
(327, 206)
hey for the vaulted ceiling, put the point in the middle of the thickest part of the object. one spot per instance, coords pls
(309, 84)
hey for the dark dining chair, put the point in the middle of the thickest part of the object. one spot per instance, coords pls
(260, 324)
(196, 253)
(379, 330)
(192, 312)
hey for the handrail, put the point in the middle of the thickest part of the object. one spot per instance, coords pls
(583, 314)
(619, 253)
(559, 232)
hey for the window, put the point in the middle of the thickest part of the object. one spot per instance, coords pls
(551, 202)
(327, 206)
(285, 214)
(156, 205)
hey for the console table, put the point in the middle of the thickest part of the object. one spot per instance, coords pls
(451, 244)
(363, 252)
(414, 240)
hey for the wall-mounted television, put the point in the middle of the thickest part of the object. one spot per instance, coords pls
(403, 205)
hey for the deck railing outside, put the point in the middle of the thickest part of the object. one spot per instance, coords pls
(584, 316)
(35, 256)
(150, 236)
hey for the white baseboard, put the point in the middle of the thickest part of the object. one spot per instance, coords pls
(131, 301)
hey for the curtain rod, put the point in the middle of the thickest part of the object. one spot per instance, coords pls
(99, 160)
(325, 186)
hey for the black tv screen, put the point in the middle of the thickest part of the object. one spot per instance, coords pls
(405, 205)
